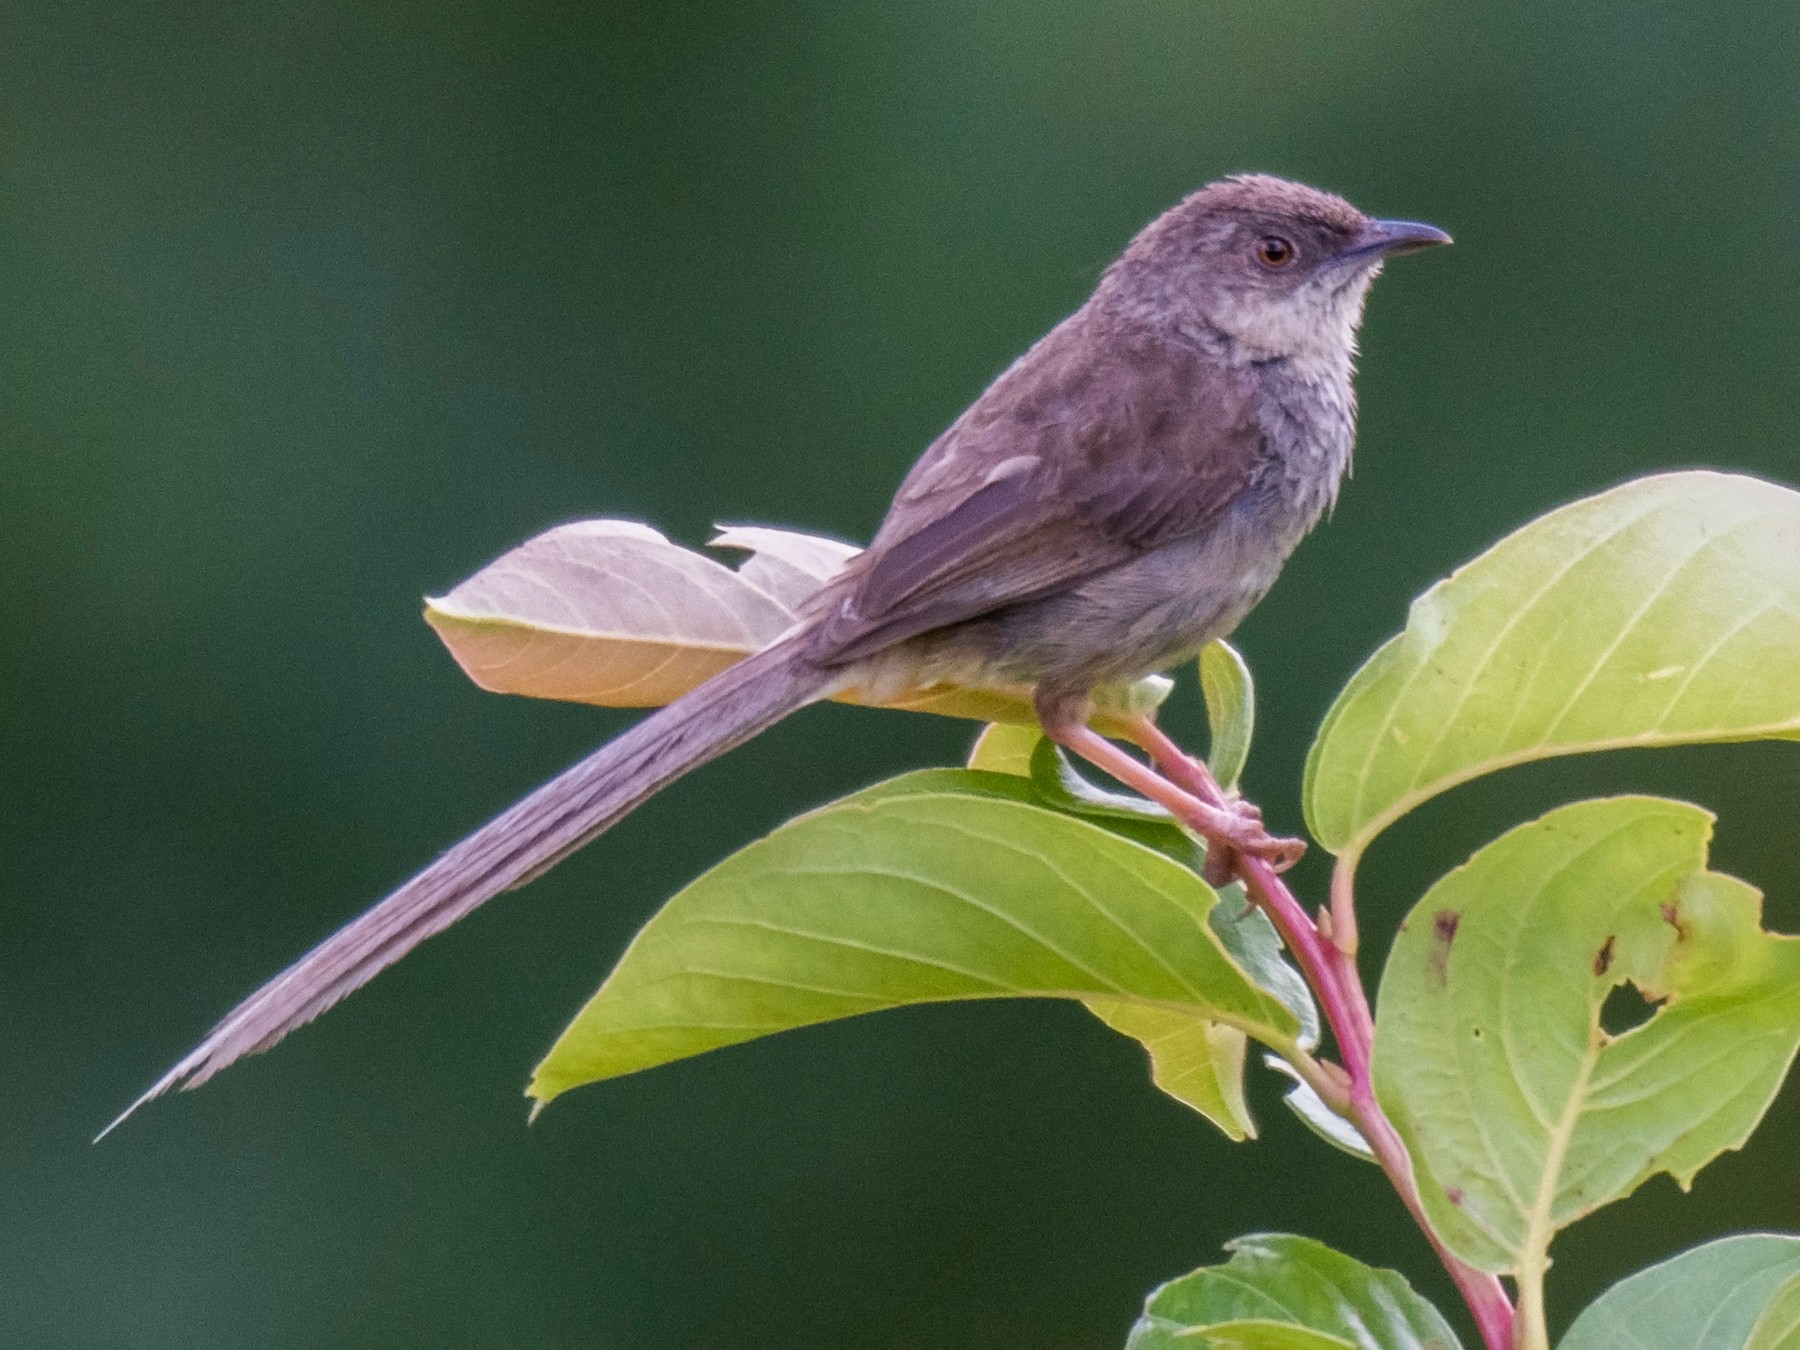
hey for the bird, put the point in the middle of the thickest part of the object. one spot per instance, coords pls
(1124, 493)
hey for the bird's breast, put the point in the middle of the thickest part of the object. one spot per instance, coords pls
(1308, 424)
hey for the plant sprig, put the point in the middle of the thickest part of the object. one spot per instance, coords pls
(1663, 612)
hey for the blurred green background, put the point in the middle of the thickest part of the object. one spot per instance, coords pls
(308, 310)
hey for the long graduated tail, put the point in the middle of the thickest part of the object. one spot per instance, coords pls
(511, 849)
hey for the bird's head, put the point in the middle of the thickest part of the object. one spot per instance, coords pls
(1277, 268)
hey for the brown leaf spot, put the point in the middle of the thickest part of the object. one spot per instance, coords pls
(1454, 1195)
(1672, 916)
(1443, 933)
(1603, 958)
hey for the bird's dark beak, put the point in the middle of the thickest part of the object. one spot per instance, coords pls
(1385, 238)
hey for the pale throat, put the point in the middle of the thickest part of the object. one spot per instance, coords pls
(1314, 329)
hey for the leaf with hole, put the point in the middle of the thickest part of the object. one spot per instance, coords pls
(1663, 612)
(1521, 1113)
(1281, 1291)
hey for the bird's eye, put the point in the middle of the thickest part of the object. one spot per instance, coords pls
(1274, 252)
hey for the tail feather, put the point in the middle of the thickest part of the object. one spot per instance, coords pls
(510, 850)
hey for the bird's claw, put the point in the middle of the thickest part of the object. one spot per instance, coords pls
(1281, 851)
(1244, 834)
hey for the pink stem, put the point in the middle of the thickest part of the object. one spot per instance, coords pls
(1336, 982)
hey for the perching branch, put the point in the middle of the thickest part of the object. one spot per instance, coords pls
(1337, 984)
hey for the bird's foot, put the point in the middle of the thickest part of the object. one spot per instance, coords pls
(1232, 827)
(1237, 831)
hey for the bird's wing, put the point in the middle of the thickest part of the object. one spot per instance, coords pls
(1082, 456)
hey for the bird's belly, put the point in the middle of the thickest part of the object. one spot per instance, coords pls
(1131, 620)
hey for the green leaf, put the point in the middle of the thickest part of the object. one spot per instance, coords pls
(1230, 710)
(1198, 1062)
(1230, 713)
(1327, 1124)
(1277, 1285)
(1246, 933)
(1028, 753)
(1060, 785)
(1005, 747)
(1249, 936)
(1164, 836)
(1779, 1326)
(904, 895)
(1520, 1112)
(1256, 1334)
(1715, 1297)
(1201, 1063)
(1663, 612)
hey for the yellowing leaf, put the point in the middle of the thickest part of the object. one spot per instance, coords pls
(603, 611)
(1197, 1062)
(610, 612)
(784, 564)
(1005, 747)
(1779, 1326)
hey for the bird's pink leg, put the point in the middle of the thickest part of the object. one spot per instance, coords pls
(1230, 827)
(1178, 763)
(1191, 773)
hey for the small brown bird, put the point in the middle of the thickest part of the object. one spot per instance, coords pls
(1121, 496)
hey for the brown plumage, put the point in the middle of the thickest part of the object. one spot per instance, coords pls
(1119, 497)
